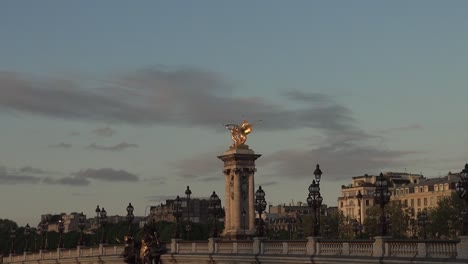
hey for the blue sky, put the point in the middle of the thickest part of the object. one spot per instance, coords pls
(110, 102)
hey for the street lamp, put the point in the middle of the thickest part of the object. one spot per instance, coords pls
(382, 197)
(422, 221)
(12, 239)
(103, 220)
(177, 213)
(130, 218)
(81, 226)
(359, 198)
(188, 227)
(60, 228)
(462, 188)
(314, 200)
(215, 208)
(244, 213)
(43, 227)
(260, 206)
(27, 232)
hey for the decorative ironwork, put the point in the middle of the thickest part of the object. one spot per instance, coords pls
(314, 200)
(260, 206)
(382, 197)
(214, 208)
(462, 189)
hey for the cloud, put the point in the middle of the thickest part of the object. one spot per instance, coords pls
(337, 161)
(214, 178)
(29, 169)
(119, 147)
(180, 97)
(402, 128)
(72, 181)
(9, 178)
(199, 166)
(104, 131)
(106, 174)
(61, 145)
(74, 133)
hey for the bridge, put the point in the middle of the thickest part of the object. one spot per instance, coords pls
(313, 250)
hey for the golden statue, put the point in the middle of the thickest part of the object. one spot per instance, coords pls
(239, 132)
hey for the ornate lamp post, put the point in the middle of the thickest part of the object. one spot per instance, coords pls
(130, 218)
(27, 232)
(177, 213)
(12, 240)
(462, 188)
(43, 227)
(103, 220)
(81, 226)
(214, 207)
(60, 228)
(359, 198)
(260, 206)
(188, 227)
(382, 197)
(314, 200)
(422, 221)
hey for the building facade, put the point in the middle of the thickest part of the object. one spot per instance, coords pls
(196, 209)
(413, 191)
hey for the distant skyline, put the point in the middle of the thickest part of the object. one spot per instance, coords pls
(110, 102)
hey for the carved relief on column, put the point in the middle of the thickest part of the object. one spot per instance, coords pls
(227, 200)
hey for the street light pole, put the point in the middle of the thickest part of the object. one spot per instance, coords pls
(422, 221)
(214, 207)
(27, 232)
(314, 200)
(188, 227)
(60, 228)
(81, 226)
(12, 238)
(462, 189)
(260, 206)
(130, 218)
(103, 220)
(382, 197)
(359, 198)
(177, 213)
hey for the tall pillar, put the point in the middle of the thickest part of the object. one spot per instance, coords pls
(239, 170)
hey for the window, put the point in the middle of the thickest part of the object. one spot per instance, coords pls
(397, 192)
(421, 189)
(341, 204)
(419, 201)
(432, 201)
(436, 188)
(425, 202)
(367, 202)
(412, 202)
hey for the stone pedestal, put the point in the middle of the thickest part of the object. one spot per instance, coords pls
(379, 249)
(462, 248)
(311, 246)
(239, 170)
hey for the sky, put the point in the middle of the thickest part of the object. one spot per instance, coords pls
(110, 102)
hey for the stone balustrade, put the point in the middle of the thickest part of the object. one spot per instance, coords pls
(313, 247)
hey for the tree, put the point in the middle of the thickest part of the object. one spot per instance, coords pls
(444, 220)
(397, 216)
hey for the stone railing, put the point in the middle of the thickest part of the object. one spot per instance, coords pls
(261, 249)
(79, 252)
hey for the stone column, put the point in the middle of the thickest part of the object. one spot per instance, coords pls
(174, 247)
(239, 165)
(251, 209)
